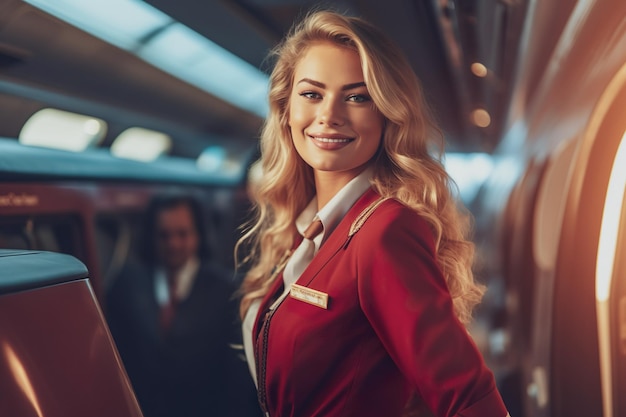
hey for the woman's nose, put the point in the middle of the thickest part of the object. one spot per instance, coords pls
(332, 113)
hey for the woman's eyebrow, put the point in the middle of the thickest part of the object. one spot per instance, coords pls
(313, 82)
(353, 85)
(322, 85)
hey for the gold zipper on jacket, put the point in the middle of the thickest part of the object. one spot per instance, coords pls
(261, 360)
(264, 333)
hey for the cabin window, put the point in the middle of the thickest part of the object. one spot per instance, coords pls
(58, 129)
(47, 233)
(141, 144)
(469, 171)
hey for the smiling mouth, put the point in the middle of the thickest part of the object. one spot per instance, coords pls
(331, 140)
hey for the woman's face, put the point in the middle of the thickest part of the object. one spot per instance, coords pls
(334, 123)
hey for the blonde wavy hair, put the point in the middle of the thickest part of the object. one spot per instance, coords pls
(406, 168)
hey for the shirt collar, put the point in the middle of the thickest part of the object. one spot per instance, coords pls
(184, 282)
(186, 277)
(332, 213)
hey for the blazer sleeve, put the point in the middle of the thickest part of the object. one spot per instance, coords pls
(404, 296)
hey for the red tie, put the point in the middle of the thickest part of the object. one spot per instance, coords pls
(314, 229)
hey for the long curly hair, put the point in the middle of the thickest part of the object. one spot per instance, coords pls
(407, 167)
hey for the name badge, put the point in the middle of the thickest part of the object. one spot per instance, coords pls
(308, 295)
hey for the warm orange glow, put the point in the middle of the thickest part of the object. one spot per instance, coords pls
(610, 224)
(481, 118)
(605, 261)
(479, 69)
(21, 377)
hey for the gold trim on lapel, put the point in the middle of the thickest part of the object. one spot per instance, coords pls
(342, 235)
(364, 215)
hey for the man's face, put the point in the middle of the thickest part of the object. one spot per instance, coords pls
(177, 237)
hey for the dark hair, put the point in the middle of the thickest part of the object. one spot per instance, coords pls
(160, 203)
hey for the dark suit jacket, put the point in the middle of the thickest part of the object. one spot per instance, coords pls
(389, 330)
(191, 370)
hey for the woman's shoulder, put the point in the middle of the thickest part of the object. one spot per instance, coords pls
(392, 220)
(394, 213)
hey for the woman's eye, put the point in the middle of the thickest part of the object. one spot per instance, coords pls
(358, 98)
(310, 95)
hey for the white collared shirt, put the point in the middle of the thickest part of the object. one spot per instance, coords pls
(184, 282)
(330, 215)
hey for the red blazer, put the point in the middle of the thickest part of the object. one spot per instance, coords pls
(389, 330)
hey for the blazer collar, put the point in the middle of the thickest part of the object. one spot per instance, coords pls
(335, 242)
(338, 238)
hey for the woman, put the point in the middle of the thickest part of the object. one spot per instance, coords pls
(366, 317)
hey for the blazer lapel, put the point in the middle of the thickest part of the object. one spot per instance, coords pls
(337, 238)
(333, 244)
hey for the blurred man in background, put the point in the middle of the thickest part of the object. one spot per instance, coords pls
(173, 318)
